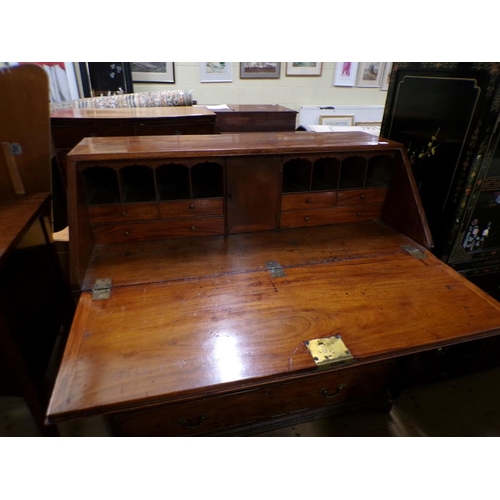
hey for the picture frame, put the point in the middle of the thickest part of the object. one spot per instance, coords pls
(345, 74)
(304, 68)
(386, 76)
(153, 72)
(103, 78)
(216, 72)
(260, 69)
(368, 124)
(370, 74)
(337, 120)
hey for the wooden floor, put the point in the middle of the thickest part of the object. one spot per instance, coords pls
(459, 407)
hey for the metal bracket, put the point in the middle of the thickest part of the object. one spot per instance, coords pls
(414, 252)
(276, 269)
(102, 289)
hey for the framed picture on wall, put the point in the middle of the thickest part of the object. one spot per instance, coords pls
(216, 72)
(155, 72)
(345, 74)
(337, 120)
(260, 69)
(386, 76)
(369, 74)
(303, 68)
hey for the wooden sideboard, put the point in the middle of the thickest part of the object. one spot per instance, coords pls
(211, 269)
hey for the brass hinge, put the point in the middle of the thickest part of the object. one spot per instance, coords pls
(102, 289)
(330, 351)
(276, 269)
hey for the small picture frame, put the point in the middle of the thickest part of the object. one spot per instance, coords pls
(386, 76)
(368, 124)
(303, 68)
(211, 72)
(154, 72)
(369, 74)
(337, 120)
(345, 74)
(260, 69)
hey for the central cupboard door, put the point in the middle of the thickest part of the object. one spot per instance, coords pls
(253, 193)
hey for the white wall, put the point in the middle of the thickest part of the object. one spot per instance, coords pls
(290, 91)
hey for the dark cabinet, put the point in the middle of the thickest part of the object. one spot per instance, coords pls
(447, 114)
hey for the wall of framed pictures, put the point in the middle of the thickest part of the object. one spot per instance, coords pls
(285, 83)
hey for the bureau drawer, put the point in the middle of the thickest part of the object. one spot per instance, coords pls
(334, 215)
(308, 200)
(263, 404)
(188, 208)
(361, 196)
(157, 230)
(123, 212)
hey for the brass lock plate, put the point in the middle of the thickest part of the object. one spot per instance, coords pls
(330, 351)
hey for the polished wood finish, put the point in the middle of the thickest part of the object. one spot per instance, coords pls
(255, 118)
(199, 334)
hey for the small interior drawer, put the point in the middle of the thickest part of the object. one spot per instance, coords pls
(361, 196)
(123, 212)
(298, 201)
(157, 230)
(334, 215)
(188, 208)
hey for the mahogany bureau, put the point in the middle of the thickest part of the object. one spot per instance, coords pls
(238, 282)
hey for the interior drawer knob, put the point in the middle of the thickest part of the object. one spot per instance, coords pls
(123, 214)
(308, 200)
(193, 228)
(306, 219)
(191, 206)
(126, 233)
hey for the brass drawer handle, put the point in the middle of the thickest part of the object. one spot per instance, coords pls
(324, 392)
(193, 425)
